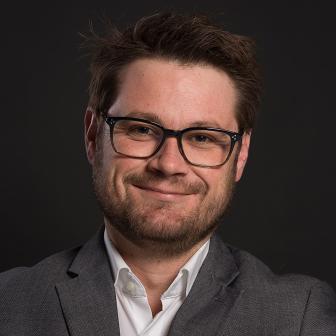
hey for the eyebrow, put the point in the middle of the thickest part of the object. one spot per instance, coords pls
(154, 118)
(145, 115)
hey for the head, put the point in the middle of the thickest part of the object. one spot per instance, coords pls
(179, 72)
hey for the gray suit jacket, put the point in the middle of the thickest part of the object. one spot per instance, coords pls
(72, 293)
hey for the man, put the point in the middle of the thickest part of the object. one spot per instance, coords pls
(167, 132)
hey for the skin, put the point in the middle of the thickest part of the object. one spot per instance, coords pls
(178, 96)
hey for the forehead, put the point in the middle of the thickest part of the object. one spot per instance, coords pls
(175, 94)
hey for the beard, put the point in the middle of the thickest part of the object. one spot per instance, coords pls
(165, 229)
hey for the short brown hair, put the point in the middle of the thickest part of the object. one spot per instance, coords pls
(185, 39)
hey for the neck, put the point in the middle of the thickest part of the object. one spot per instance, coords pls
(156, 273)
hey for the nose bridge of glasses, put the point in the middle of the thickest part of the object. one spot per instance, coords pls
(170, 133)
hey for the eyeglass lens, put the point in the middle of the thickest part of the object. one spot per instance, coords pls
(200, 147)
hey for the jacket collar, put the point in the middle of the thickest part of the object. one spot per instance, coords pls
(207, 308)
(89, 304)
(88, 298)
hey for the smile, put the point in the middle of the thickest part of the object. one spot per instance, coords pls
(163, 194)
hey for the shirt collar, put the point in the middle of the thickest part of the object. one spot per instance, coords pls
(128, 283)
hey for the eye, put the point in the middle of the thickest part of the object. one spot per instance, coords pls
(140, 129)
(201, 138)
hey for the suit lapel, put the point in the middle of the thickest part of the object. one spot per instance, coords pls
(88, 299)
(89, 305)
(207, 308)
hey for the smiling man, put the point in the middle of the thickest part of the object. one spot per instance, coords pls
(161, 190)
(167, 132)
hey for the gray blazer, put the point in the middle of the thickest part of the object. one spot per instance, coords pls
(72, 293)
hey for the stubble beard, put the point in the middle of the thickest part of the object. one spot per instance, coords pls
(162, 228)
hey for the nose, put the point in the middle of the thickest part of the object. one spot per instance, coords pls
(169, 161)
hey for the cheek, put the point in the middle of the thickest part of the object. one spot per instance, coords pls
(113, 178)
(217, 187)
(211, 179)
(219, 180)
(115, 171)
(108, 168)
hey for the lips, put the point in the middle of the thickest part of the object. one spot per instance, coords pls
(159, 185)
(163, 190)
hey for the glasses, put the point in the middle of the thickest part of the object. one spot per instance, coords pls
(199, 146)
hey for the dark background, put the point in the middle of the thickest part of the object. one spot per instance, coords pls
(284, 208)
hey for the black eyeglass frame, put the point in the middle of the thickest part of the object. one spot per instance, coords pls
(234, 136)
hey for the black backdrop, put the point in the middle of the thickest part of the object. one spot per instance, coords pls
(283, 211)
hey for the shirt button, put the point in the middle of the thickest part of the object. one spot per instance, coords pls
(130, 287)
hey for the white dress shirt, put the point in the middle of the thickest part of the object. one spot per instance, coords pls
(134, 313)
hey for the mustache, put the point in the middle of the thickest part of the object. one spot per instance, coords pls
(177, 182)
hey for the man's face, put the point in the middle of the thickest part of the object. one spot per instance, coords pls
(163, 202)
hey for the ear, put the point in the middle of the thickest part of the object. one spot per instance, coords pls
(91, 131)
(243, 155)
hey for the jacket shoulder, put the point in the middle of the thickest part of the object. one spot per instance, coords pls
(254, 273)
(295, 302)
(263, 302)
(28, 296)
(24, 281)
